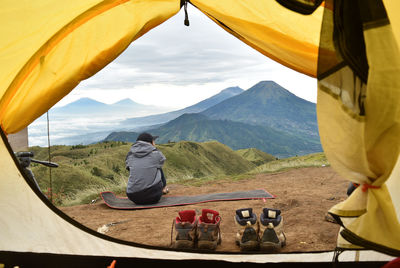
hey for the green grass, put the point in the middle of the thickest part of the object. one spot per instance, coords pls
(311, 160)
(256, 156)
(188, 160)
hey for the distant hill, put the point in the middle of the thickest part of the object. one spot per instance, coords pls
(236, 135)
(125, 136)
(196, 108)
(310, 160)
(256, 156)
(269, 104)
(202, 159)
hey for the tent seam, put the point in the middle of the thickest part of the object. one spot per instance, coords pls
(241, 38)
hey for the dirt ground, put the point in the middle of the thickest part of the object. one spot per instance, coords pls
(303, 195)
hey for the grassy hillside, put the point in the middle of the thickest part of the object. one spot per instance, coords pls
(85, 171)
(311, 160)
(188, 159)
(256, 156)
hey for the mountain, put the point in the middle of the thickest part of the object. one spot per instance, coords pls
(266, 116)
(266, 107)
(125, 102)
(236, 135)
(86, 121)
(207, 103)
(269, 104)
(88, 107)
(196, 108)
(81, 106)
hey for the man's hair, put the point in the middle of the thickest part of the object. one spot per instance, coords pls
(147, 137)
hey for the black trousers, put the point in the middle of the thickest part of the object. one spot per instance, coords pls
(150, 195)
(163, 179)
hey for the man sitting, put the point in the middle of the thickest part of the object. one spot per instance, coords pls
(144, 161)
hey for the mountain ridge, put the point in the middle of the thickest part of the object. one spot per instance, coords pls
(237, 135)
(198, 107)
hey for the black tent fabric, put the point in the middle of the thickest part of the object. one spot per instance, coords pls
(116, 202)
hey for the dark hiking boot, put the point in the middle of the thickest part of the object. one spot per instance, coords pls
(208, 231)
(185, 226)
(247, 229)
(272, 237)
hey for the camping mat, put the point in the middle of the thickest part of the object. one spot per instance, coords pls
(116, 202)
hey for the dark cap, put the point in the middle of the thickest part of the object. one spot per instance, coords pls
(146, 137)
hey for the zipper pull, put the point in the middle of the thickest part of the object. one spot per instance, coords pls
(186, 13)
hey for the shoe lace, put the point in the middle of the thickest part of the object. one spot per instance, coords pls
(218, 218)
(172, 230)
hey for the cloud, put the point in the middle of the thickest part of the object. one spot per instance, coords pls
(185, 57)
(175, 56)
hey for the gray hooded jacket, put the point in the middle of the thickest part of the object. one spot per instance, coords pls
(144, 162)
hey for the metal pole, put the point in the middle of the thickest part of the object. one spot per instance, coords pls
(48, 143)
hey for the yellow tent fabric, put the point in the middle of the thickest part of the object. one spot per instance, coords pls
(47, 47)
(359, 125)
(371, 146)
(269, 28)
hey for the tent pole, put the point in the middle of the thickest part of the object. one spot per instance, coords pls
(48, 144)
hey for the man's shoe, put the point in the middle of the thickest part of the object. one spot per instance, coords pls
(247, 229)
(185, 226)
(272, 237)
(208, 230)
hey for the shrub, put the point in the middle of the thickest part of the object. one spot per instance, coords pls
(79, 146)
(116, 169)
(96, 172)
(109, 176)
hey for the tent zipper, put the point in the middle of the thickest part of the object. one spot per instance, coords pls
(186, 22)
(216, 20)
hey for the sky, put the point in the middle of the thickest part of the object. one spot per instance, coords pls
(176, 66)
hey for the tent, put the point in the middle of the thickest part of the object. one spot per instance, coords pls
(47, 47)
